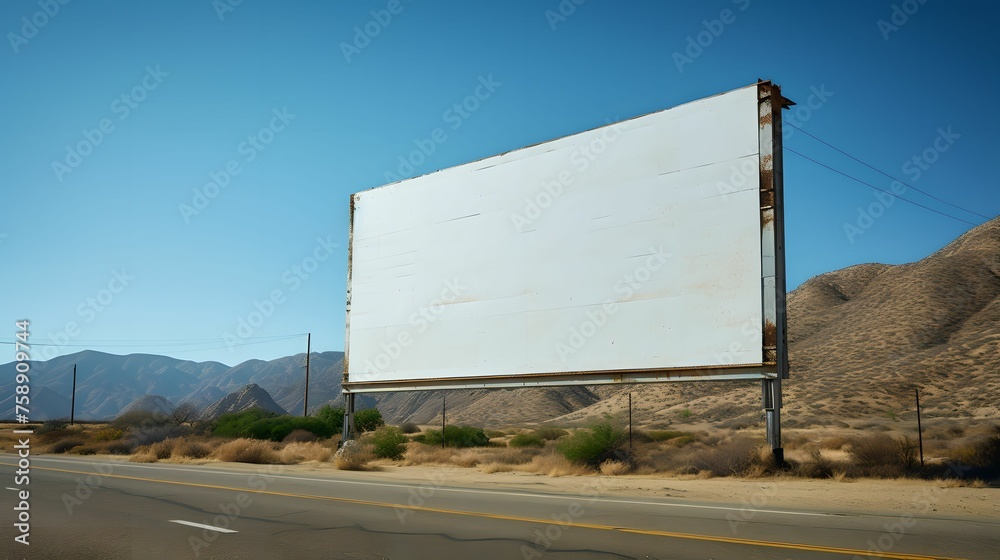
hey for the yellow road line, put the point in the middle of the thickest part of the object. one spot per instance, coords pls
(651, 532)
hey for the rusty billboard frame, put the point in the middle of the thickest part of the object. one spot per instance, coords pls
(774, 364)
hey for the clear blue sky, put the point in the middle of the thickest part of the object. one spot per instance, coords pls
(197, 85)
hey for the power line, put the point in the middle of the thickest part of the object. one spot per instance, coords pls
(894, 195)
(873, 168)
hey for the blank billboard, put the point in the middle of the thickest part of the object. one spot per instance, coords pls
(634, 247)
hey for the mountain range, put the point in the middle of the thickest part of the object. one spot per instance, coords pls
(861, 340)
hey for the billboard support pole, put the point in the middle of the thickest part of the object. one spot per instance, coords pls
(772, 228)
(348, 418)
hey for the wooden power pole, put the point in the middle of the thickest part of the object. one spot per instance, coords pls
(305, 401)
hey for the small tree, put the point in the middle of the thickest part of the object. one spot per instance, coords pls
(389, 442)
(368, 420)
(333, 416)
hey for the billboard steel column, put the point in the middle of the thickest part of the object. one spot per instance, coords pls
(775, 349)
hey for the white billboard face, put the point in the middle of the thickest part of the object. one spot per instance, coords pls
(632, 247)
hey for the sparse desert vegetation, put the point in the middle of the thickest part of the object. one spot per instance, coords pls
(964, 454)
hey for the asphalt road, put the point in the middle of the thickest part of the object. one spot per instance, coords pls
(83, 508)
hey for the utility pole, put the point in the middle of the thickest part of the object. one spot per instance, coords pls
(305, 401)
(72, 399)
(630, 421)
(920, 431)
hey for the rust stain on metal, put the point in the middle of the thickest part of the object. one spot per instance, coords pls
(770, 334)
(766, 178)
(766, 199)
(765, 120)
(766, 218)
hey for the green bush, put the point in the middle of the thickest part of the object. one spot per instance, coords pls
(260, 424)
(334, 416)
(531, 439)
(409, 428)
(494, 433)
(600, 442)
(368, 420)
(455, 436)
(389, 442)
(238, 424)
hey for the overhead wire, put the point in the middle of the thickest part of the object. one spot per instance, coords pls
(877, 170)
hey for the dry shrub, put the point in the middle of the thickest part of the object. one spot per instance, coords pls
(298, 452)
(57, 434)
(881, 456)
(736, 457)
(353, 456)
(490, 468)
(419, 454)
(835, 443)
(183, 448)
(817, 466)
(65, 445)
(88, 449)
(143, 455)
(299, 435)
(116, 448)
(554, 465)
(245, 450)
(162, 449)
(108, 434)
(615, 468)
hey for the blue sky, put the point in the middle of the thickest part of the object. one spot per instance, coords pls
(121, 246)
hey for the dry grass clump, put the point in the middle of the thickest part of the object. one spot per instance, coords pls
(162, 449)
(190, 449)
(299, 452)
(62, 446)
(553, 464)
(615, 468)
(108, 434)
(245, 450)
(354, 456)
(501, 457)
(835, 443)
(143, 455)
